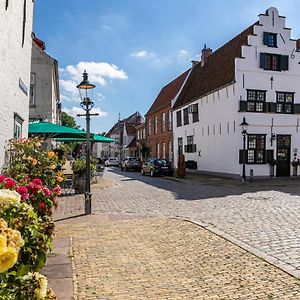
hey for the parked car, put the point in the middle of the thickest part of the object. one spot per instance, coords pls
(112, 161)
(156, 167)
(131, 163)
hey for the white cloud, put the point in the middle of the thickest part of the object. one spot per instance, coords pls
(143, 54)
(75, 110)
(183, 53)
(106, 27)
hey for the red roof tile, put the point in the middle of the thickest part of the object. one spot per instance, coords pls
(218, 71)
(168, 92)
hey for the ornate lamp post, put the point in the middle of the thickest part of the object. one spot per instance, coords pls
(244, 126)
(85, 90)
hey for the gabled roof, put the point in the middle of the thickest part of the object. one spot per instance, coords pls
(168, 93)
(130, 129)
(217, 72)
(132, 144)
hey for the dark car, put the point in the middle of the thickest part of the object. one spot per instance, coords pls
(156, 167)
(131, 163)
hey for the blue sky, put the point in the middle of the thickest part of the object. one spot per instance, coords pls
(132, 48)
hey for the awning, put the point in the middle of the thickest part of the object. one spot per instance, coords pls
(51, 130)
(94, 138)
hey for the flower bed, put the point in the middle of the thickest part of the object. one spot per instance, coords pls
(28, 194)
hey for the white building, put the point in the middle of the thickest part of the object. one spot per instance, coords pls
(16, 18)
(255, 75)
(44, 95)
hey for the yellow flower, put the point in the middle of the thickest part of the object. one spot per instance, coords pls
(8, 258)
(59, 179)
(8, 197)
(52, 167)
(24, 157)
(3, 242)
(34, 162)
(41, 291)
(17, 238)
(61, 174)
(51, 154)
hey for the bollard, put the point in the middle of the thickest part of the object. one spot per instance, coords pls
(251, 175)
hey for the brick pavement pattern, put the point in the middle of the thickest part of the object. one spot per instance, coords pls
(166, 258)
(263, 216)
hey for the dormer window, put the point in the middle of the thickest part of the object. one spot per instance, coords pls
(270, 39)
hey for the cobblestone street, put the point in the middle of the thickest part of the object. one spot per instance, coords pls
(133, 248)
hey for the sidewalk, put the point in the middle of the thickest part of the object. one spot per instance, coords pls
(131, 257)
(59, 269)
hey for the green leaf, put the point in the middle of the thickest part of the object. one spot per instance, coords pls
(41, 260)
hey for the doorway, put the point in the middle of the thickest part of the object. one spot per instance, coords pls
(283, 165)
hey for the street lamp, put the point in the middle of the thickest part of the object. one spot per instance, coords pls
(244, 125)
(85, 90)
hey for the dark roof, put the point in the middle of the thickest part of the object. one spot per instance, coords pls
(218, 71)
(132, 144)
(130, 129)
(168, 92)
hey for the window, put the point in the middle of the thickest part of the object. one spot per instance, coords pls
(195, 113)
(149, 126)
(186, 116)
(284, 102)
(170, 120)
(256, 100)
(157, 150)
(163, 122)
(164, 150)
(256, 148)
(144, 133)
(18, 121)
(138, 135)
(24, 23)
(190, 147)
(179, 118)
(32, 91)
(274, 62)
(155, 124)
(270, 39)
(180, 146)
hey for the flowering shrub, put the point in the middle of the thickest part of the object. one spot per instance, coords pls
(24, 241)
(27, 158)
(42, 199)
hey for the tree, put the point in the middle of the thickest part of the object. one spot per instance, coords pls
(67, 120)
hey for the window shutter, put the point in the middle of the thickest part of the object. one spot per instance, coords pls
(194, 148)
(266, 38)
(241, 156)
(186, 148)
(297, 108)
(243, 105)
(263, 60)
(284, 62)
(269, 155)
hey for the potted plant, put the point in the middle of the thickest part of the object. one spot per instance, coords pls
(295, 163)
(79, 171)
(272, 163)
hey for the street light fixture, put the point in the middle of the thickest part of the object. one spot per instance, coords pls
(244, 126)
(85, 90)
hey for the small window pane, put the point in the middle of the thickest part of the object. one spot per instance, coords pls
(252, 95)
(259, 106)
(260, 96)
(289, 97)
(251, 156)
(250, 106)
(288, 108)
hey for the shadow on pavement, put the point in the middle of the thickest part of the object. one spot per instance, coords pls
(197, 187)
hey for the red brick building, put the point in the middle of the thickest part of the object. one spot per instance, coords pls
(159, 120)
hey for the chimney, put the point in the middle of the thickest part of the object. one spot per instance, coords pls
(194, 62)
(298, 45)
(206, 52)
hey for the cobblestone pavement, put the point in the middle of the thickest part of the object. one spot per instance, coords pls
(166, 258)
(264, 216)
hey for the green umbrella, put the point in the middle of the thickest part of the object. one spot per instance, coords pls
(94, 138)
(51, 130)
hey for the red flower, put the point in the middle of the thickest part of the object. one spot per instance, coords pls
(2, 178)
(37, 182)
(41, 205)
(9, 183)
(22, 190)
(47, 191)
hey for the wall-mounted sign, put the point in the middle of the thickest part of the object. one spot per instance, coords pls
(23, 87)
